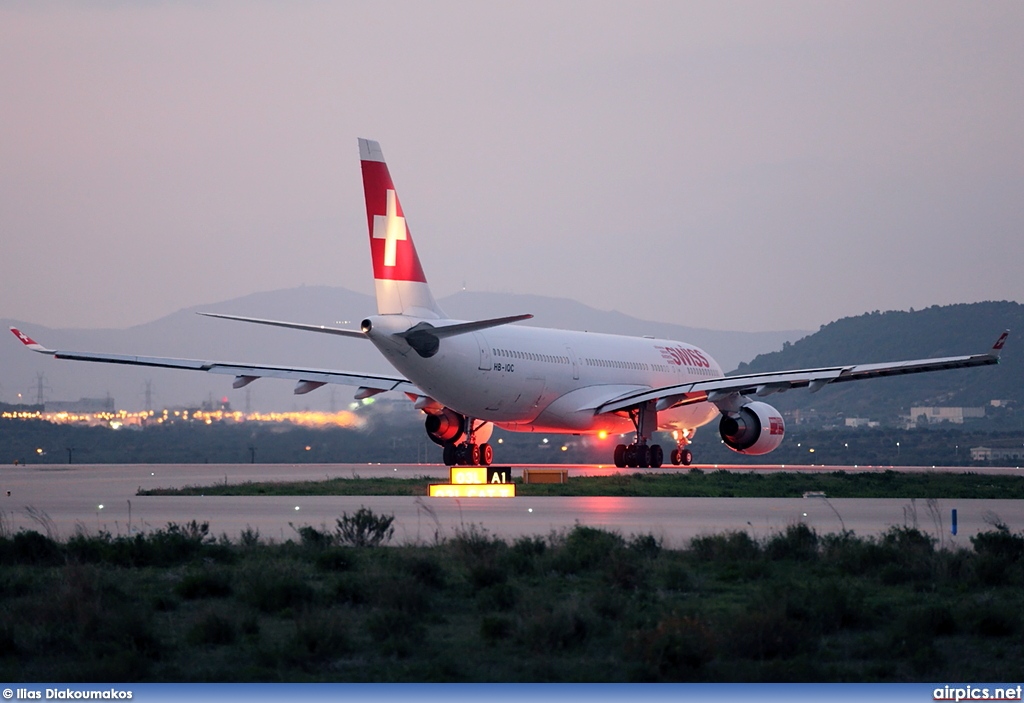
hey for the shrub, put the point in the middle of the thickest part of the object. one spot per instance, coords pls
(321, 636)
(494, 628)
(427, 571)
(798, 543)
(645, 545)
(273, 591)
(473, 545)
(395, 632)
(365, 528)
(212, 628)
(335, 559)
(767, 633)
(674, 648)
(998, 555)
(313, 538)
(204, 583)
(502, 596)
(560, 628)
(586, 548)
(30, 547)
(730, 546)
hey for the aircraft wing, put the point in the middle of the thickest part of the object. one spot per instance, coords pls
(309, 379)
(764, 384)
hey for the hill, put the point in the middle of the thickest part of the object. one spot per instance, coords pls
(185, 334)
(896, 335)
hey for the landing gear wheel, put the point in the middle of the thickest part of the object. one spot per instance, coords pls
(676, 458)
(450, 455)
(685, 457)
(643, 456)
(486, 454)
(620, 456)
(473, 455)
(631, 456)
(657, 456)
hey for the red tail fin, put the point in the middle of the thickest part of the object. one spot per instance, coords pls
(398, 276)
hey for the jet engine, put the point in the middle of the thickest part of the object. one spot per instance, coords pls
(756, 428)
(450, 427)
(446, 427)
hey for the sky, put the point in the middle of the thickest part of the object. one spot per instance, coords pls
(730, 165)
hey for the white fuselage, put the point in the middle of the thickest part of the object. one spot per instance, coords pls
(539, 379)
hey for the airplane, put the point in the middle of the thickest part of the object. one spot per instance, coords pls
(469, 376)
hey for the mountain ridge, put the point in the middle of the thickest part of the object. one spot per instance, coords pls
(185, 334)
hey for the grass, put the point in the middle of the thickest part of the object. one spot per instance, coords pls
(581, 605)
(672, 484)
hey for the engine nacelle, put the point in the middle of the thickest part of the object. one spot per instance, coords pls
(450, 427)
(445, 427)
(757, 428)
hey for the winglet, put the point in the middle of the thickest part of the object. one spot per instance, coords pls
(31, 343)
(998, 346)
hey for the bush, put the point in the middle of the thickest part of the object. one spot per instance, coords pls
(560, 628)
(313, 538)
(365, 528)
(999, 555)
(212, 628)
(204, 584)
(730, 546)
(586, 548)
(321, 637)
(798, 543)
(273, 591)
(494, 628)
(30, 547)
(395, 632)
(473, 545)
(335, 559)
(675, 648)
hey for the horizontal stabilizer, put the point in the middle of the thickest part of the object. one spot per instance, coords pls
(461, 327)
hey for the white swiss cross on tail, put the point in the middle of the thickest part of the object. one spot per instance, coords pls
(397, 274)
(390, 227)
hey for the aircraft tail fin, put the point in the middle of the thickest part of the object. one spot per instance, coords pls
(398, 277)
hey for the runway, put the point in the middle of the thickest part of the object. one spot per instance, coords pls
(62, 499)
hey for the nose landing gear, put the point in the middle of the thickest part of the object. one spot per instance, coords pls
(681, 456)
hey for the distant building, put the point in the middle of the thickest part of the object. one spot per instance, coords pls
(861, 422)
(1000, 453)
(934, 415)
(82, 405)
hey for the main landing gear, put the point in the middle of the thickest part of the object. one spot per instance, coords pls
(639, 454)
(642, 455)
(468, 453)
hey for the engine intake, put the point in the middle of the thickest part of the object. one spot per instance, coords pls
(757, 428)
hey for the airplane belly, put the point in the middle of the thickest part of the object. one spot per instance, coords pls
(687, 416)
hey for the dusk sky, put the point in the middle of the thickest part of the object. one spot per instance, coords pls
(731, 165)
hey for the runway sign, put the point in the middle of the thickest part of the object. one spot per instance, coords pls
(474, 490)
(476, 475)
